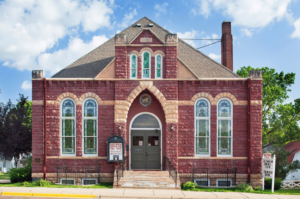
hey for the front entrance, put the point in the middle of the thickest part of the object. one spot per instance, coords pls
(145, 143)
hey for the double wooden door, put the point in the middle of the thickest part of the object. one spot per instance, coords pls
(145, 149)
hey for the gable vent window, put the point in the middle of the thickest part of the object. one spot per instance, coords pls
(146, 65)
(133, 67)
(158, 66)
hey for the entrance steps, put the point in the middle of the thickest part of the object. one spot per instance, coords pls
(146, 180)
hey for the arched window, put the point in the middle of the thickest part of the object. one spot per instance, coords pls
(158, 66)
(202, 127)
(68, 127)
(224, 147)
(146, 65)
(90, 130)
(133, 66)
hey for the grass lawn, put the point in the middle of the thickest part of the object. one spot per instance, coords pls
(52, 185)
(281, 191)
(4, 176)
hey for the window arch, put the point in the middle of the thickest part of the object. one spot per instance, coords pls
(90, 128)
(224, 134)
(133, 66)
(158, 66)
(202, 127)
(146, 65)
(68, 127)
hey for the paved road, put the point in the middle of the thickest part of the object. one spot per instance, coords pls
(141, 193)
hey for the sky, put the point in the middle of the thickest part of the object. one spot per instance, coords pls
(51, 34)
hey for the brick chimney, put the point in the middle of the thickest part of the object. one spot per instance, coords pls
(226, 45)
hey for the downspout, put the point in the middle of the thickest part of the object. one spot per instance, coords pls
(248, 133)
(45, 122)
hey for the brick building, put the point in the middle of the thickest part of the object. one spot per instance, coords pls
(163, 96)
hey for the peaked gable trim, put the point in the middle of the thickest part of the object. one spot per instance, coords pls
(145, 29)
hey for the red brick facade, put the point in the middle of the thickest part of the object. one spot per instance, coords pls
(172, 103)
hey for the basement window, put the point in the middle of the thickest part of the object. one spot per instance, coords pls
(70, 181)
(224, 182)
(89, 181)
(204, 182)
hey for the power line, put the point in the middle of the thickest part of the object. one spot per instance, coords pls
(201, 39)
(209, 44)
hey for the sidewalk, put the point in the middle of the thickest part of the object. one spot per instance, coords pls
(131, 193)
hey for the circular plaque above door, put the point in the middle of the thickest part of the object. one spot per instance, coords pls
(145, 99)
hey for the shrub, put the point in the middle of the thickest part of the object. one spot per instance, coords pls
(25, 183)
(189, 185)
(43, 183)
(277, 184)
(21, 174)
(244, 187)
(258, 188)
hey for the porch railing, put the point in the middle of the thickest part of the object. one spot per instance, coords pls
(121, 168)
(219, 177)
(68, 174)
(168, 166)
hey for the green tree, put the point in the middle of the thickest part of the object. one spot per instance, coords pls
(15, 128)
(280, 120)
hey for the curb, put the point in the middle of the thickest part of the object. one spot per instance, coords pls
(47, 195)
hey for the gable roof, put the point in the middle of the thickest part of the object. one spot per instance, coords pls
(91, 64)
(293, 147)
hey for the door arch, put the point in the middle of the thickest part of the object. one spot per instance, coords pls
(135, 126)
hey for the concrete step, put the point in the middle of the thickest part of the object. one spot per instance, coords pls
(146, 180)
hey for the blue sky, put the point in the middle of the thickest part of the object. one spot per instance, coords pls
(51, 34)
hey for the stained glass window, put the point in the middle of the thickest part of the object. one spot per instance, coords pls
(202, 134)
(224, 127)
(90, 134)
(133, 63)
(146, 65)
(68, 127)
(158, 66)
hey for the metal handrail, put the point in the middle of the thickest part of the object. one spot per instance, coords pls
(168, 166)
(121, 168)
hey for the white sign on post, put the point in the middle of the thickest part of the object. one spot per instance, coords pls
(116, 152)
(268, 169)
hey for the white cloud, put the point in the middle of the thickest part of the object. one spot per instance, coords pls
(33, 27)
(26, 85)
(253, 14)
(76, 48)
(188, 35)
(161, 8)
(246, 32)
(214, 56)
(296, 33)
(128, 19)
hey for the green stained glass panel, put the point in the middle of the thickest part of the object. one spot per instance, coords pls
(202, 145)
(146, 61)
(224, 128)
(133, 61)
(158, 73)
(133, 72)
(202, 127)
(90, 145)
(68, 144)
(158, 61)
(89, 127)
(67, 127)
(146, 73)
(224, 146)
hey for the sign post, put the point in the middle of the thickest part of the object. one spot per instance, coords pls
(268, 169)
